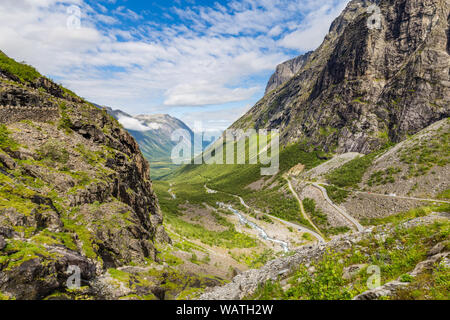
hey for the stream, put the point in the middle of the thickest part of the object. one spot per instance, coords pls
(263, 235)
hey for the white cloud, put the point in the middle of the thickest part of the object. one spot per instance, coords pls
(132, 124)
(311, 32)
(203, 93)
(214, 121)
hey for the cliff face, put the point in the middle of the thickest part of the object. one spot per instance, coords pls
(74, 189)
(366, 86)
(286, 70)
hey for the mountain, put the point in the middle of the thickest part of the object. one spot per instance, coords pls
(77, 206)
(153, 133)
(364, 87)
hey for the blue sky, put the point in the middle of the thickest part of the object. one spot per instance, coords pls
(198, 60)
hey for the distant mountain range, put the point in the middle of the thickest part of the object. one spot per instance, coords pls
(153, 133)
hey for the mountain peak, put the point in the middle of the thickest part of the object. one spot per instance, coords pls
(366, 85)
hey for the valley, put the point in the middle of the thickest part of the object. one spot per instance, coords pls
(358, 207)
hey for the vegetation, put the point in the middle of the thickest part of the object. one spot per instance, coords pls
(21, 70)
(5, 140)
(408, 215)
(318, 217)
(351, 173)
(383, 177)
(425, 154)
(337, 195)
(396, 255)
(53, 151)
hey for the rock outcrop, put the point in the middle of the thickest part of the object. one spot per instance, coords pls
(364, 87)
(285, 71)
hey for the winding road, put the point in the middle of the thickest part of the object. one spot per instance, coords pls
(341, 211)
(390, 195)
(293, 225)
(317, 235)
(298, 227)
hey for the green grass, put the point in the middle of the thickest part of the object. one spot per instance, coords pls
(445, 195)
(23, 71)
(426, 154)
(17, 252)
(351, 173)
(53, 151)
(337, 195)
(383, 177)
(318, 217)
(407, 215)
(5, 140)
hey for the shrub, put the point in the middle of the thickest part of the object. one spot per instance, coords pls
(53, 151)
(351, 173)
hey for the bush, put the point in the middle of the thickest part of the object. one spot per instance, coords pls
(53, 151)
(337, 195)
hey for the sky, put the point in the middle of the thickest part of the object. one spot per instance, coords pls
(197, 60)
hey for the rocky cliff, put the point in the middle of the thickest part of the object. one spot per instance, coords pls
(286, 70)
(75, 190)
(366, 86)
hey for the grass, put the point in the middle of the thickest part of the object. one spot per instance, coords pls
(351, 173)
(445, 195)
(5, 140)
(53, 151)
(383, 177)
(21, 70)
(432, 285)
(17, 252)
(426, 154)
(320, 219)
(407, 215)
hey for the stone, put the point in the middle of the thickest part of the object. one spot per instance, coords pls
(2, 243)
(440, 247)
(353, 270)
(7, 161)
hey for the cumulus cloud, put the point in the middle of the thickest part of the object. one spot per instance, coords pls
(133, 124)
(311, 32)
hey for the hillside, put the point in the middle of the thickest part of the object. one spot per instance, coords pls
(363, 88)
(75, 194)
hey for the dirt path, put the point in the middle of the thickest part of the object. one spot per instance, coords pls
(320, 235)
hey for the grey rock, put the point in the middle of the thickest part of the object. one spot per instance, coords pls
(2, 243)
(353, 270)
(7, 161)
(439, 248)
(286, 70)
